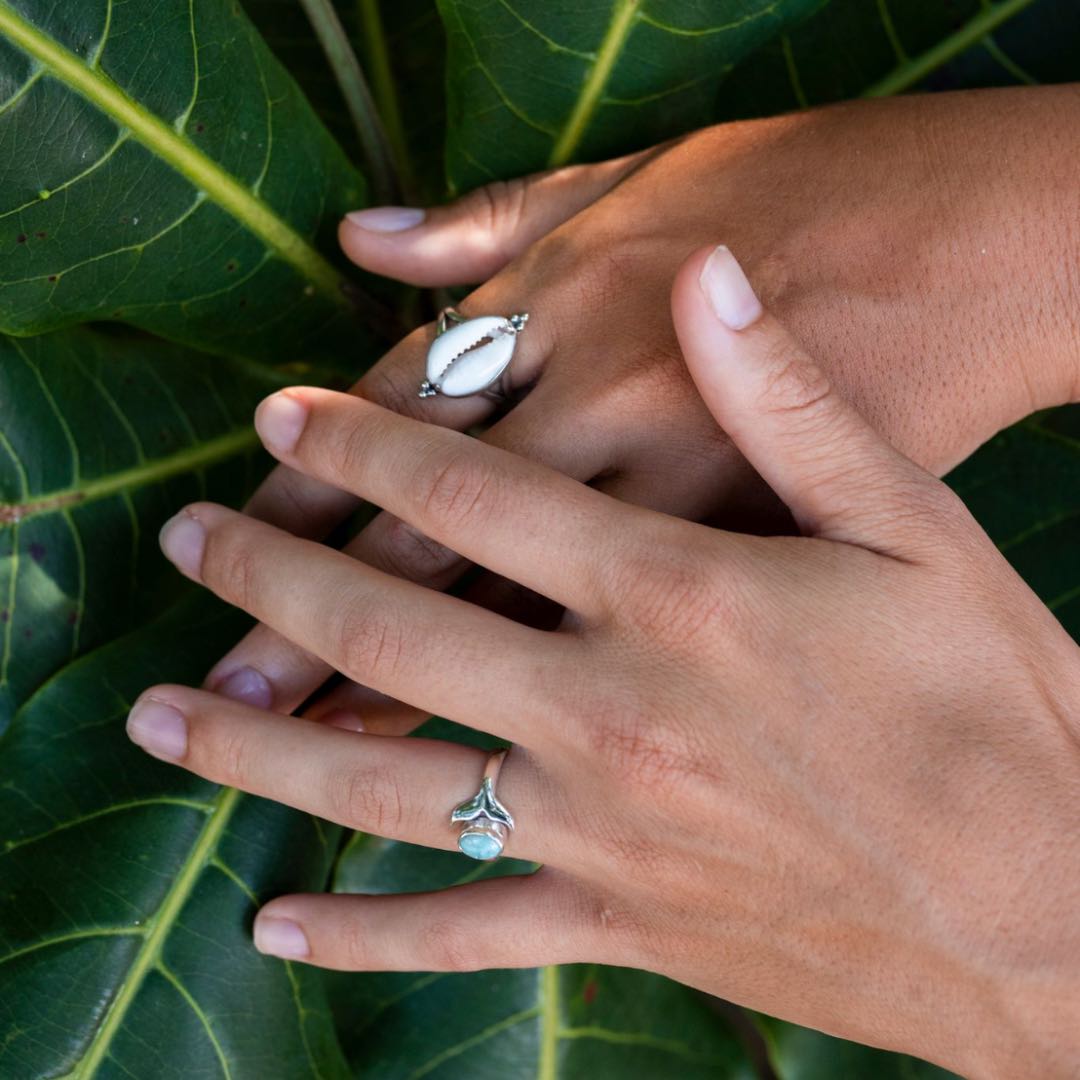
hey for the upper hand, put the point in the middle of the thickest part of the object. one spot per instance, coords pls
(905, 247)
(833, 777)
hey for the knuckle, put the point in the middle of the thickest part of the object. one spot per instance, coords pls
(233, 755)
(368, 799)
(672, 596)
(794, 383)
(371, 642)
(388, 384)
(355, 943)
(445, 945)
(637, 745)
(620, 930)
(499, 208)
(451, 489)
(412, 555)
(230, 566)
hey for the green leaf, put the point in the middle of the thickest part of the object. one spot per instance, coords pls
(102, 438)
(574, 1021)
(534, 83)
(798, 1053)
(158, 166)
(1022, 487)
(852, 48)
(129, 887)
(401, 46)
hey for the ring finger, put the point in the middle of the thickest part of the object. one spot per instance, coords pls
(396, 788)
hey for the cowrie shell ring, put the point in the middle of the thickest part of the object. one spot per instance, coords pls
(469, 356)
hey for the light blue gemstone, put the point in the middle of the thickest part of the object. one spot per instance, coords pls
(480, 846)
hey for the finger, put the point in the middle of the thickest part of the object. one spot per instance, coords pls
(268, 670)
(403, 790)
(311, 508)
(426, 648)
(359, 708)
(473, 238)
(837, 475)
(506, 922)
(538, 527)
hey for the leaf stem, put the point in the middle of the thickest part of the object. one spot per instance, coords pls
(377, 55)
(354, 89)
(913, 71)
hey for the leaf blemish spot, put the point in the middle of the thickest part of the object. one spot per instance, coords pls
(21, 238)
(36, 552)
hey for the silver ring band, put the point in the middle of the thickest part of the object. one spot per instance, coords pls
(485, 822)
(470, 356)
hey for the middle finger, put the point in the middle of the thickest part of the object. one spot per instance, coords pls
(426, 648)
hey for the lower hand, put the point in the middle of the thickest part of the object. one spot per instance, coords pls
(833, 777)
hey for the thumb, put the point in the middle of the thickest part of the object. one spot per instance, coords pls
(471, 239)
(837, 475)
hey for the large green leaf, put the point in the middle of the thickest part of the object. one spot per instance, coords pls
(537, 83)
(159, 166)
(102, 438)
(401, 47)
(572, 1022)
(129, 887)
(798, 1053)
(1024, 488)
(851, 48)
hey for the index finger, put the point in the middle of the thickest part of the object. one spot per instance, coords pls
(513, 516)
(309, 508)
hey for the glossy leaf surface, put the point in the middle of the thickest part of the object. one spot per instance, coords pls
(159, 167)
(129, 888)
(537, 83)
(102, 438)
(571, 1022)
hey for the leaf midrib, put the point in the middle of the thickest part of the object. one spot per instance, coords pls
(163, 922)
(149, 472)
(623, 16)
(176, 150)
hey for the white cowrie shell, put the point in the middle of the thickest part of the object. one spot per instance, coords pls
(456, 370)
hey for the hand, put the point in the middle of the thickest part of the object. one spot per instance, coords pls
(832, 777)
(923, 247)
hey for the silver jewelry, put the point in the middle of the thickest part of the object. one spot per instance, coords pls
(485, 822)
(469, 356)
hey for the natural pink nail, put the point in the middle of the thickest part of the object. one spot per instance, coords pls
(158, 728)
(387, 219)
(182, 539)
(247, 685)
(342, 718)
(280, 420)
(281, 937)
(728, 290)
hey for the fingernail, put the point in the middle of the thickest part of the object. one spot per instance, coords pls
(386, 219)
(159, 729)
(279, 420)
(247, 685)
(728, 291)
(182, 539)
(342, 718)
(281, 937)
